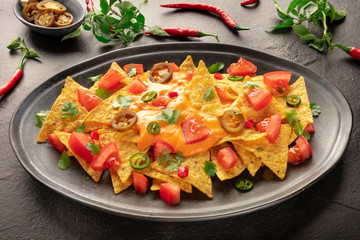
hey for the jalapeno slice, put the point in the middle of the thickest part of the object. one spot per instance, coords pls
(149, 96)
(161, 73)
(29, 12)
(63, 20)
(235, 78)
(139, 161)
(123, 121)
(293, 100)
(45, 19)
(243, 185)
(153, 127)
(232, 121)
(51, 6)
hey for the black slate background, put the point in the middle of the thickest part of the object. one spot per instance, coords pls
(330, 209)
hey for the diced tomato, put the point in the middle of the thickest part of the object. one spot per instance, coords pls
(262, 126)
(111, 79)
(300, 152)
(56, 143)
(226, 158)
(183, 171)
(174, 67)
(139, 68)
(224, 96)
(194, 130)
(88, 99)
(140, 182)
(249, 123)
(170, 193)
(258, 98)
(108, 157)
(218, 76)
(136, 87)
(309, 128)
(173, 94)
(277, 80)
(161, 145)
(242, 68)
(274, 128)
(77, 143)
(189, 75)
(94, 135)
(161, 102)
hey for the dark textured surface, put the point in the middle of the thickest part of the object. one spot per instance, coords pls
(330, 209)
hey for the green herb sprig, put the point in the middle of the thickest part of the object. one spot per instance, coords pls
(173, 163)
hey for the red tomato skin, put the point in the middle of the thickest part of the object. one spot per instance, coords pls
(309, 128)
(226, 158)
(88, 99)
(224, 96)
(136, 87)
(159, 146)
(242, 68)
(161, 102)
(189, 75)
(77, 143)
(277, 79)
(94, 135)
(174, 67)
(183, 171)
(262, 126)
(111, 79)
(193, 130)
(140, 182)
(274, 127)
(173, 94)
(56, 143)
(218, 76)
(258, 98)
(170, 193)
(300, 152)
(108, 153)
(139, 68)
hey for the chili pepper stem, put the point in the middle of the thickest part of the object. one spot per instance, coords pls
(238, 28)
(345, 48)
(202, 34)
(21, 64)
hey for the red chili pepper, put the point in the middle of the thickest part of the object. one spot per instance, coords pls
(89, 5)
(218, 76)
(249, 123)
(173, 94)
(94, 135)
(352, 51)
(249, 2)
(210, 8)
(185, 32)
(13, 80)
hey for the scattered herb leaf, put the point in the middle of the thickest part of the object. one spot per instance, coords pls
(210, 168)
(81, 128)
(96, 78)
(95, 149)
(169, 115)
(260, 149)
(216, 67)
(122, 102)
(173, 163)
(251, 84)
(102, 93)
(64, 162)
(315, 109)
(70, 109)
(209, 94)
(40, 117)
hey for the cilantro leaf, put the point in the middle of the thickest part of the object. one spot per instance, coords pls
(210, 168)
(70, 109)
(292, 117)
(315, 109)
(40, 117)
(122, 102)
(96, 78)
(131, 71)
(102, 93)
(294, 121)
(81, 128)
(251, 84)
(173, 163)
(169, 115)
(209, 94)
(216, 67)
(64, 162)
(95, 149)
(260, 149)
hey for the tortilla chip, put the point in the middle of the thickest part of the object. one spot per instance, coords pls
(128, 136)
(251, 162)
(224, 174)
(54, 122)
(196, 88)
(71, 87)
(187, 65)
(118, 185)
(246, 134)
(155, 186)
(64, 138)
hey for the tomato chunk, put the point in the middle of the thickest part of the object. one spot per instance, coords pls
(108, 157)
(139, 68)
(161, 102)
(194, 130)
(159, 146)
(183, 171)
(277, 80)
(189, 75)
(300, 152)
(309, 128)
(88, 99)
(170, 193)
(258, 98)
(136, 87)
(226, 158)
(111, 79)
(242, 68)
(56, 143)
(77, 143)
(224, 96)
(272, 126)
(174, 67)
(262, 126)
(140, 182)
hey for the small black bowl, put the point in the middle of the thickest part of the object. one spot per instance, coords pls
(74, 7)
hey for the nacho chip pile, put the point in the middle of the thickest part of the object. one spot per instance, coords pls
(195, 95)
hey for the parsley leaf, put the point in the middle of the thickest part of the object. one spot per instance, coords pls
(216, 67)
(102, 93)
(169, 115)
(173, 163)
(95, 149)
(81, 128)
(210, 168)
(64, 162)
(70, 109)
(209, 94)
(40, 117)
(251, 84)
(315, 109)
(122, 102)
(96, 78)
